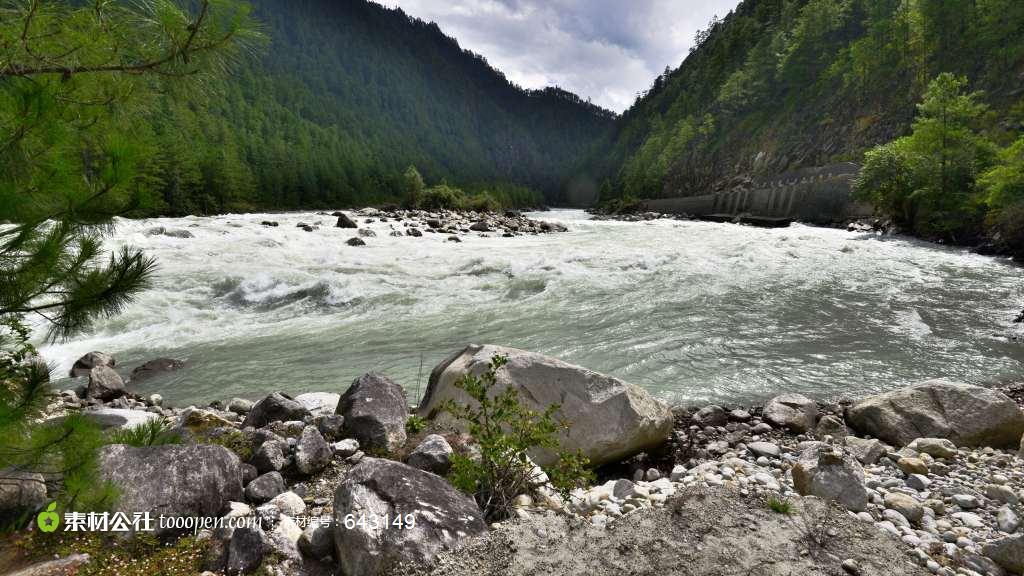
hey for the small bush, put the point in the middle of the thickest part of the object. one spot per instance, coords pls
(483, 202)
(506, 432)
(442, 197)
(415, 424)
(152, 433)
(780, 506)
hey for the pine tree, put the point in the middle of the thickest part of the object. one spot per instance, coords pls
(74, 80)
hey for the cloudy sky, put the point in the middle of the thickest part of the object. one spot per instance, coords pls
(605, 50)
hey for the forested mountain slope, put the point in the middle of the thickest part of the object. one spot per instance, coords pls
(346, 96)
(783, 84)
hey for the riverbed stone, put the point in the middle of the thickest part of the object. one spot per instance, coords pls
(831, 426)
(940, 409)
(710, 416)
(270, 456)
(793, 411)
(104, 384)
(934, 447)
(319, 403)
(767, 449)
(1008, 553)
(249, 544)
(829, 474)
(433, 455)
(86, 363)
(317, 541)
(910, 508)
(265, 488)
(277, 407)
(375, 412)
(109, 418)
(176, 480)
(313, 453)
(1007, 520)
(377, 488)
(609, 420)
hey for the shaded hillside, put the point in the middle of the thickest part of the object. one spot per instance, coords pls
(347, 95)
(784, 84)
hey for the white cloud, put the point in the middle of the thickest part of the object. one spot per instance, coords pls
(606, 50)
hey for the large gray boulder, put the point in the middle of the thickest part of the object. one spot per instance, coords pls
(1008, 553)
(609, 419)
(21, 494)
(176, 480)
(104, 384)
(794, 411)
(968, 415)
(378, 490)
(375, 412)
(277, 407)
(86, 363)
(827, 473)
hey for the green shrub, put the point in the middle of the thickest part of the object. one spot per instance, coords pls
(415, 424)
(442, 197)
(483, 202)
(780, 506)
(506, 432)
(155, 432)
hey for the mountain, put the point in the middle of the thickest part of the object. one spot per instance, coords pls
(347, 96)
(778, 85)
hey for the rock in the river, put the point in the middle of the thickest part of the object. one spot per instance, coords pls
(86, 363)
(794, 411)
(313, 453)
(278, 407)
(1008, 553)
(264, 488)
(104, 384)
(355, 242)
(155, 368)
(433, 455)
(21, 494)
(609, 419)
(376, 489)
(345, 222)
(375, 411)
(415, 232)
(940, 409)
(172, 479)
(319, 403)
(826, 473)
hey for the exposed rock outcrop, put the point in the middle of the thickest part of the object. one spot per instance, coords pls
(965, 414)
(379, 490)
(610, 419)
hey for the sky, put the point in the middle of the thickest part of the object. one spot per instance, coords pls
(604, 50)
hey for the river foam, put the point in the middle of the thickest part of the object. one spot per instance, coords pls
(693, 311)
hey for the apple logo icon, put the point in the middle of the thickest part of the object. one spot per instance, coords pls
(48, 520)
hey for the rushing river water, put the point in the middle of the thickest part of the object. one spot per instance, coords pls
(692, 311)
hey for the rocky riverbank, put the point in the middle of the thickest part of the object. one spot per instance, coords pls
(927, 479)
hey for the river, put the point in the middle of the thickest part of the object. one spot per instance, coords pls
(695, 312)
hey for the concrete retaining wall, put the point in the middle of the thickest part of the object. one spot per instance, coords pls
(820, 195)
